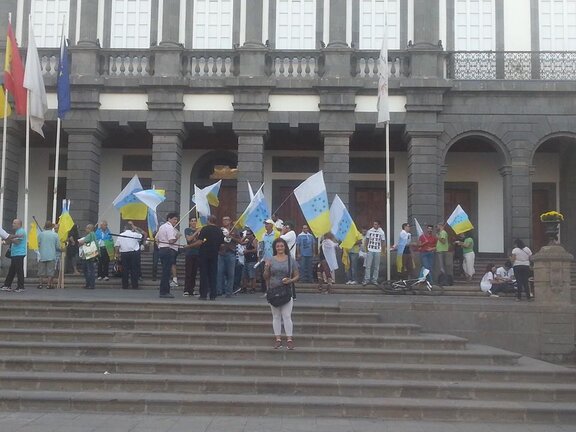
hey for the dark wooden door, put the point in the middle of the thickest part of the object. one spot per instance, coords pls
(290, 210)
(453, 197)
(369, 205)
(227, 206)
(542, 201)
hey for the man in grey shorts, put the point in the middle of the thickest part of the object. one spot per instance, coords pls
(49, 248)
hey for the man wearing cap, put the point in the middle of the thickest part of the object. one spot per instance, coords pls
(265, 250)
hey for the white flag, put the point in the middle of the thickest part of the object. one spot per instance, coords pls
(34, 82)
(383, 106)
(419, 229)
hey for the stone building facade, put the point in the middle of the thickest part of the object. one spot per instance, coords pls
(493, 130)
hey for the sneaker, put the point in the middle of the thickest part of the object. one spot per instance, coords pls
(348, 282)
(290, 344)
(6, 288)
(237, 291)
(364, 283)
(99, 278)
(173, 284)
(106, 278)
(494, 295)
(277, 343)
(353, 283)
(18, 290)
(186, 294)
(168, 295)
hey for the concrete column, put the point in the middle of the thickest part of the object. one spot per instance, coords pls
(89, 24)
(506, 173)
(337, 164)
(170, 23)
(14, 149)
(425, 196)
(254, 24)
(426, 21)
(521, 200)
(83, 174)
(250, 165)
(167, 139)
(567, 202)
(337, 24)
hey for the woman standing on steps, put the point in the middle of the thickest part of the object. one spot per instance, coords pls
(280, 269)
(520, 258)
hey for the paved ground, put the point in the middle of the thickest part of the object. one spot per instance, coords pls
(55, 422)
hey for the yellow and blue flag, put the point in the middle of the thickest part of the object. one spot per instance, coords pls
(65, 222)
(313, 200)
(33, 237)
(128, 204)
(459, 221)
(343, 227)
(255, 215)
(201, 201)
(63, 80)
(211, 193)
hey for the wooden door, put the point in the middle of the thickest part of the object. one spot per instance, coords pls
(290, 210)
(454, 196)
(542, 201)
(369, 205)
(227, 207)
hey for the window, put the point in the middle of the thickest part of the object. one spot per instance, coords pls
(296, 24)
(213, 24)
(47, 18)
(374, 16)
(557, 25)
(474, 25)
(130, 24)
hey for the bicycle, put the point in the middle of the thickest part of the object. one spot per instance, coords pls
(420, 286)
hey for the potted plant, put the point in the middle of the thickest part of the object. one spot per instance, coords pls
(551, 221)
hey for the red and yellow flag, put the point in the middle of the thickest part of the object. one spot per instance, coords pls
(14, 72)
(5, 109)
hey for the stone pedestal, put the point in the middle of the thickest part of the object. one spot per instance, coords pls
(552, 276)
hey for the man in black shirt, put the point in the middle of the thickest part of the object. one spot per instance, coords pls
(209, 240)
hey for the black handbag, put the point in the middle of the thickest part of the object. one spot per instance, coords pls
(280, 295)
(8, 253)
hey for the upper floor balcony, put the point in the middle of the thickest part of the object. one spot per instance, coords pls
(349, 65)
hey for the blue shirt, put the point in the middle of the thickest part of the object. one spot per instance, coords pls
(19, 249)
(305, 244)
(48, 245)
(102, 236)
(191, 251)
(266, 244)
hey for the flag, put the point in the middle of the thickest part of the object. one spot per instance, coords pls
(343, 227)
(313, 200)
(383, 105)
(201, 201)
(129, 206)
(459, 221)
(14, 72)
(255, 215)
(152, 219)
(63, 80)
(33, 237)
(250, 191)
(5, 109)
(34, 82)
(65, 222)
(151, 197)
(419, 230)
(212, 193)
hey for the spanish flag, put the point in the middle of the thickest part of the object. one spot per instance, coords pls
(14, 72)
(5, 109)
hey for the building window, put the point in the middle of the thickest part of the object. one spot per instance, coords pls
(374, 16)
(558, 25)
(474, 25)
(47, 21)
(296, 24)
(213, 24)
(137, 163)
(130, 24)
(286, 164)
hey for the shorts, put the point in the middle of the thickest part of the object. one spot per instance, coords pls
(249, 270)
(46, 268)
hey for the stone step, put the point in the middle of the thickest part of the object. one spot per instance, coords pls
(287, 386)
(179, 325)
(232, 340)
(281, 405)
(527, 373)
(199, 313)
(473, 355)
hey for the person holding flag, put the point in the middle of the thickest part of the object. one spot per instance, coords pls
(49, 249)
(427, 246)
(18, 248)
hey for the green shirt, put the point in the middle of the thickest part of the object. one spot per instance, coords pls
(468, 245)
(442, 247)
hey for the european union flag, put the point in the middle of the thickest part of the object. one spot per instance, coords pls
(63, 81)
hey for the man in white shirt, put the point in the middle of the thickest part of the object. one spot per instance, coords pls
(289, 235)
(375, 243)
(167, 239)
(127, 246)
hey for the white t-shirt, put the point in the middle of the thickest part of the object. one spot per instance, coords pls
(505, 274)
(3, 234)
(129, 242)
(486, 282)
(522, 256)
(374, 239)
(290, 238)
(329, 250)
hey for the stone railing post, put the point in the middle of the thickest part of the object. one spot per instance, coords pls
(552, 281)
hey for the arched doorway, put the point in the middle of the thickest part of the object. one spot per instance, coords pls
(214, 166)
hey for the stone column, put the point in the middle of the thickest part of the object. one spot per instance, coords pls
(426, 21)
(14, 148)
(337, 24)
(254, 24)
(170, 23)
(521, 197)
(425, 197)
(337, 164)
(83, 174)
(253, 51)
(567, 203)
(167, 139)
(506, 173)
(85, 55)
(250, 165)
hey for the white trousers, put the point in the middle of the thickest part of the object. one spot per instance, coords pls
(282, 314)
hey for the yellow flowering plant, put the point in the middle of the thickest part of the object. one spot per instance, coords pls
(552, 216)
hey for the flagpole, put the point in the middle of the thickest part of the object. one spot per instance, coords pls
(58, 135)
(388, 275)
(27, 170)
(4, 139)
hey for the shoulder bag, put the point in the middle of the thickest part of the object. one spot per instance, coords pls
(280, 295)
(89, 250)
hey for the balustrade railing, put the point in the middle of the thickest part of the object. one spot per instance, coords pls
(295, 64)
(512, 65)
(365, 64)
(121, 63)
(49, 58)
(209, 64)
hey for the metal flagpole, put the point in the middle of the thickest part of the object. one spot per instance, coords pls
(56, 169)
(27, 171)
(3, 172)
(388, 236)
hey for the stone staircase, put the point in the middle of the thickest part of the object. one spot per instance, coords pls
(215, 358)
